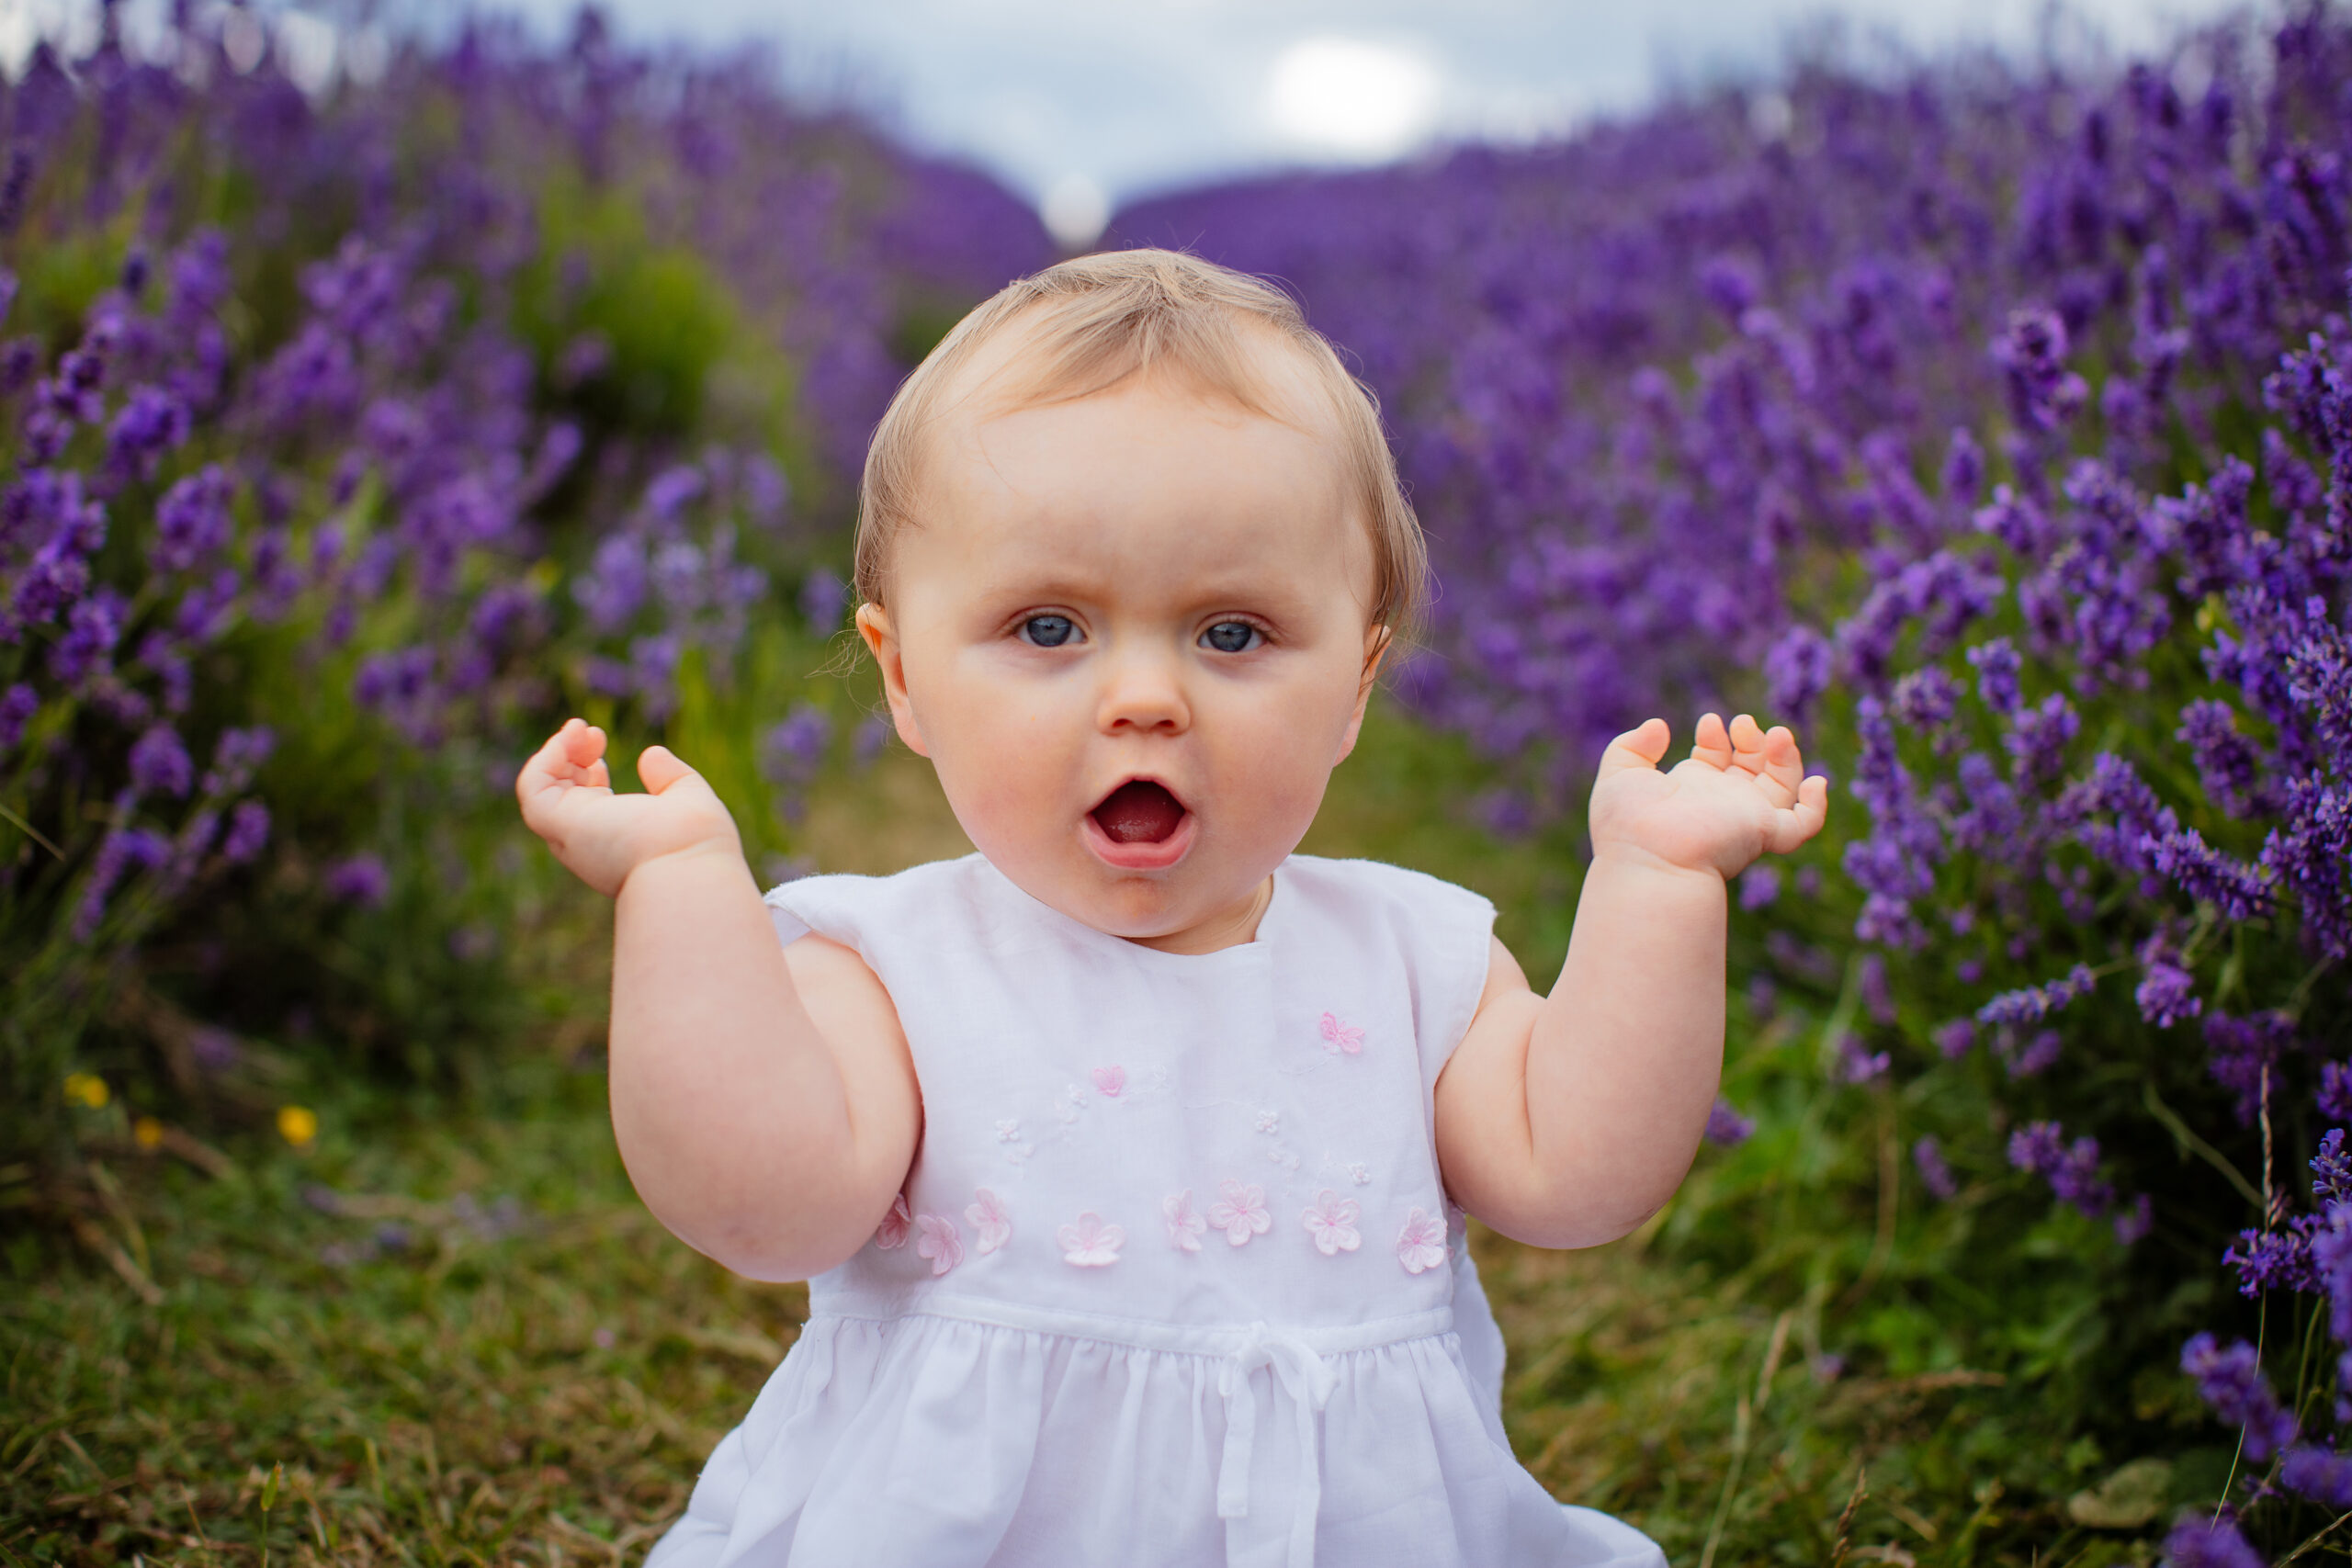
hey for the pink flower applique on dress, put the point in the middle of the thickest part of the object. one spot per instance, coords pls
(1111, 1080)
(1240, 1211)
(991, 1227)
(1333, 1224)
(1184, 1225)
(1421, 1244)
(1091, 1243)
(891, 1233)
(1339, 1037)
(940, 1242)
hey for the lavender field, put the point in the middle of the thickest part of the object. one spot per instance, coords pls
(1986, 419)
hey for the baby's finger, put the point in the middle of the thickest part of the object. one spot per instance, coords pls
(583, 743)
(1710, 744)
(1640, 747)
(1748, 743)
(1783, 764)
(1792, 827)
(550, 764)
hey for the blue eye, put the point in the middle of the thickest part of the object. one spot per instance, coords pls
(1232, 637)
(1048, 631)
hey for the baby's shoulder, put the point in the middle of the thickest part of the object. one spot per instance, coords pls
(1362, 883)
(853, 909)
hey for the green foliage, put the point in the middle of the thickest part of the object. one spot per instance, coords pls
(646, 322)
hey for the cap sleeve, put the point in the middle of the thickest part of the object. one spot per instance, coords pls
(1454, 929)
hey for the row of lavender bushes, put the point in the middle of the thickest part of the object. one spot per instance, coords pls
(1993, 423)
(351, 436)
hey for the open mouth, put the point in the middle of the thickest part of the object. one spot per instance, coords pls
(1140, 811)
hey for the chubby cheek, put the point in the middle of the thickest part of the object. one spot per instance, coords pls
(1272, 766)
(1005, 759)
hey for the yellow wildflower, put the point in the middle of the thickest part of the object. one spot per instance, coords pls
(87, 1088)
(148, 1134)
(298, 1125)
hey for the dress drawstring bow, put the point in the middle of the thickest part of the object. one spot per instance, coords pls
(1309, 1382)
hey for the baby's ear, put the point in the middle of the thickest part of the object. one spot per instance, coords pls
(874, 625)
(1376, 641)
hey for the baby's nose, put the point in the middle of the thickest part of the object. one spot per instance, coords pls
(1141, 692)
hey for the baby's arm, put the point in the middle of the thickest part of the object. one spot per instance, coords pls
(763, 1097)
(1566, 1122)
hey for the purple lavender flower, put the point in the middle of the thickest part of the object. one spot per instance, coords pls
(672, 491)
(92, 629)
(824, 599)
(2038, 736)
(2332, 1169)
(160, 763)
(2031, 1004)
(1797, 671)
(2035, 1057)
(1953, 1038)
(2228, 762)
(2043, 394)
(2323, 1476)
(2273, 1260)
(2198, 1542)
(2245, 1052)
(2336, 1091)
(123, 851)
(248, 831)
(1934, 1173)
(1856, 1064)
(1997, 664)
(792, 752)
(2040, 1148)
(363, 879)
(18, 706)
(1758, 885)
(871, 739)
(1726, 1128)
(2231, 1380)
(1877, 998)
(2166, 994)
(152, 422)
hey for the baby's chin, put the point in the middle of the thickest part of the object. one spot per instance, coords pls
(1150, 906)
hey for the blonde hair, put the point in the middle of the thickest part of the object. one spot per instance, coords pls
(1096, 320)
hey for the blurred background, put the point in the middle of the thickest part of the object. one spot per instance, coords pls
(381, 383)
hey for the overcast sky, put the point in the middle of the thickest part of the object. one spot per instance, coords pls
(1082, 104)
(1126, 97)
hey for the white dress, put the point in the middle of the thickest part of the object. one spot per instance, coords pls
(1174, 1282)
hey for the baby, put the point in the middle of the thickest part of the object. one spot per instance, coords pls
(1128, 1157)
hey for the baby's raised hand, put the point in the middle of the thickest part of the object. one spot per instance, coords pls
(568, 800)
(1741, 792)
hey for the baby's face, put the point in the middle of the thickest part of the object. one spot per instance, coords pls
(1130, 634)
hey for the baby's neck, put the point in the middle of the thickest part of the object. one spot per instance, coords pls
(1228, 927)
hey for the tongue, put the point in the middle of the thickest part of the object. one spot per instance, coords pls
(1139, 812)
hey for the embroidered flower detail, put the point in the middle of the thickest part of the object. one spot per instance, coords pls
(991, 1227)
(1269, 1122)
(1184, 1225)
(1421, 1244)
(940, 1242)
(1333, 1224)
(1339, 1037)
(1359, 1175)
(891, 1233)
(1091, 1243)
(1240, 1211)
(1070, 1103)
(1111, 1080)
(1008, 1130)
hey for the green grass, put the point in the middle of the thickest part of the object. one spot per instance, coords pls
(526, 1368)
